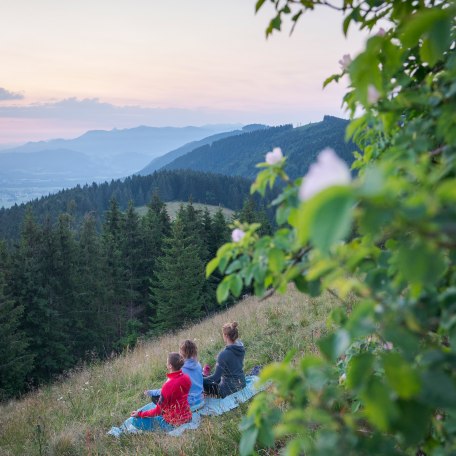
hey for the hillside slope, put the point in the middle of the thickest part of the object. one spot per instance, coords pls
(238, 155)
(163, 160)
(72, 417)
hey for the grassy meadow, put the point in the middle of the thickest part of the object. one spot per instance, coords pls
(71, 416)
(173, 207)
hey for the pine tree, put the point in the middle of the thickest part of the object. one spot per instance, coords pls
(114, 272)
(91, 291)
(180, 280)
(156, 226)
(33, 282)
(16, 361)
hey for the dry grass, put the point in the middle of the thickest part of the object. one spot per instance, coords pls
(71, 417)
(172, 208)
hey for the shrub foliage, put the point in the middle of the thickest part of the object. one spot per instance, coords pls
(385, 382)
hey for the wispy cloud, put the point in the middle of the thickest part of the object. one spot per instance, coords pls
(8, 95)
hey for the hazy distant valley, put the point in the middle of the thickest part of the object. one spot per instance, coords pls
(36, 169)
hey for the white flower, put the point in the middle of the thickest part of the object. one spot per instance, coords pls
(381, 32)
(372, 94)
(274, 157)
(388, 346)
(237, 235)
(329, 170)
(345, 61)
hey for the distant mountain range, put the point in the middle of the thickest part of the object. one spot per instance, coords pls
(238, 155)
(34, 168)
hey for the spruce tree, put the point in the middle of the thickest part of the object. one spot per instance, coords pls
(33, 289)
(91, 291)
(16, 361)
(156, 226)
(180, 281)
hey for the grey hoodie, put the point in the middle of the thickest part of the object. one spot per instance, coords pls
(229, 369)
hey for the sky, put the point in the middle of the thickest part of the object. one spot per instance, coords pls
(77, 65)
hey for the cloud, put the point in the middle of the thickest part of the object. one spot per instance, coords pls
(92, 109)
(7, 95)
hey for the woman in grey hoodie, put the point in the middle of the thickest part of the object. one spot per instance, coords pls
(229, 372)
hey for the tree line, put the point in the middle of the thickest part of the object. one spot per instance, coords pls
(180, 185)
(70, 293)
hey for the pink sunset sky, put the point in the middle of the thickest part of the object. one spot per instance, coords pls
(72, 66)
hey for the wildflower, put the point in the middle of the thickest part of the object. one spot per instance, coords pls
(274, 157)
(381, 32)
(329, 170)
(345, 61)
(373, 94)
(237, 235)
(388, 346)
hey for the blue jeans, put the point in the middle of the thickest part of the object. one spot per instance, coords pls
(154, 423)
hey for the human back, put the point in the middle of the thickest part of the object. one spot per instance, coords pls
(229, 374)
(193, 369)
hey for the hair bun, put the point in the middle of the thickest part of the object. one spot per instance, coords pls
(234, 324)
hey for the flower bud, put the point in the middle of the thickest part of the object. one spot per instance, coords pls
(373, 94)
(274, 157)
(345, 61)
(329, 170)
(237, 235)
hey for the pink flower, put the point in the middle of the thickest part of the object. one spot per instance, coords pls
(388, 346)
(381, 32)
(345, 61)
(237, 235)
(329, 170)
(373, 94)
(274, 157)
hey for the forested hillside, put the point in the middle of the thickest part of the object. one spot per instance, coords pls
(70, 294)
(163, 160)
(238, 155)
(201, 187)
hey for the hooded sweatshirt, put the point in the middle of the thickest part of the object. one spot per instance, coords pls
(229, 372)
(173, 402)
(194, 370)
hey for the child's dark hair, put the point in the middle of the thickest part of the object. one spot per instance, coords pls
(188, 349)
(231, 330)
(176, 360)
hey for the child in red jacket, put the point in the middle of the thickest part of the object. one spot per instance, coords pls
(172, 408)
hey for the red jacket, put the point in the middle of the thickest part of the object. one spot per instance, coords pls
(173, 403)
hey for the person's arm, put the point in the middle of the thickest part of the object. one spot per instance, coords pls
(150, 413)
(217, 375)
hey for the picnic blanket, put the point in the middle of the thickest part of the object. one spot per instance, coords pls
(212, 406)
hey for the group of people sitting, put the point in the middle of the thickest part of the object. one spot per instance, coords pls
(185, 387)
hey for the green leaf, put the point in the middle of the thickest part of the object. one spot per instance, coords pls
(332, 220)
(248, 440)
(420, 263)
(401, 376)
(212, 266)
(413, 421)
(378, 406)
(361, 322)
(235, 284)
(335, 344)
(325, 218)
(420, 24)
(359, 371)
(223, 289)
(439, 389)
(276, 260)
(258, 5)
